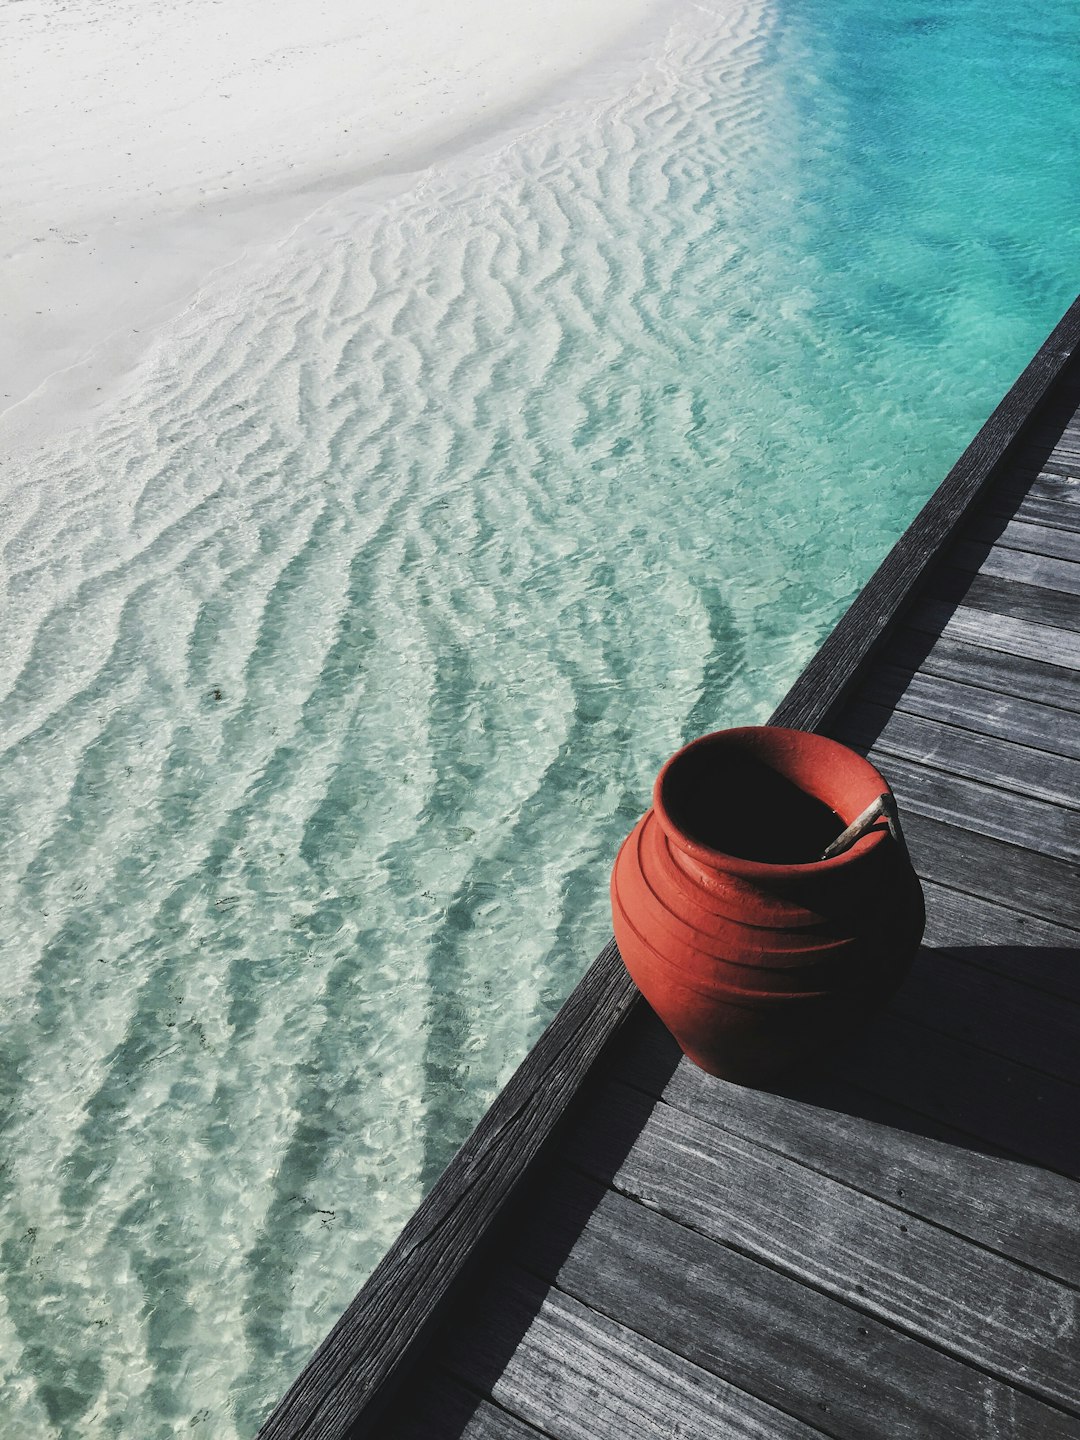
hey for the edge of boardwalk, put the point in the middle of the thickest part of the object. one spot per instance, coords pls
(343, 1387)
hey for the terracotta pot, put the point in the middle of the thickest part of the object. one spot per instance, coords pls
(753, 952)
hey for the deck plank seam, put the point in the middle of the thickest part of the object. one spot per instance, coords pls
(879, 1316)
(648, 1347)
(1026, 472)
(1067, 1001)
(958, 1134)
(905, 704)
(941, 614)
(1064, 469)
(959, 958)
(1042, 1163)
(1002, 1150)
(856, 1311)
(441, 1367)
(958, 563)
(916, 635)
(1041, 545)
(1039, 500)
(900, 709)
(956, 824)
(1004, 598)
(911, 1018)
(941, 765)
(919, 1023)
(960, 723)
(743, 1389)
(1033, 512)
(1036, 805)
(1001, 905)
(650, 1094)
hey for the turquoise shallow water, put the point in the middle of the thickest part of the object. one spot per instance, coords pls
(340, 654)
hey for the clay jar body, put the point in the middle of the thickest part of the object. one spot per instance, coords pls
(754, 953)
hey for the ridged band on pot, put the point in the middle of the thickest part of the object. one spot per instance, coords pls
(754, 965)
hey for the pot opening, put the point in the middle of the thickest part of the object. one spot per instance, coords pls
(734, 802)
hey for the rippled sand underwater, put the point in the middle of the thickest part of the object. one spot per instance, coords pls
(340, 655)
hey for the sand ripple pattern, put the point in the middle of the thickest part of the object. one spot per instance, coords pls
(339, 657)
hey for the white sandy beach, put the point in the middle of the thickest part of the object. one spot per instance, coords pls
(145, 146)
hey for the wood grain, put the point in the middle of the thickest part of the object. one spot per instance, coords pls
(1016, 819)
(1028, 1214)
(967, 1301)
(1021, 721)
(1024, 482)
(445, 1410)
(999, 1013)
(1003, 941)
(830, 1364)
(1060, 514)
(977, 864)
(577, 1374)
(1047, 571)
(1024, 638)
(1011, 599)
(970, 663)
(1023, 536)
(934, 745)
(990, 1098)
(1037, 497)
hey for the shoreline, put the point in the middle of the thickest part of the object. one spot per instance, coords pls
(97, 254)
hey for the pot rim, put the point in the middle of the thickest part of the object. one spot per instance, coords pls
(760, 869)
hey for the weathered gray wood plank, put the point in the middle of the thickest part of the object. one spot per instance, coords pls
(992, 669)
(976, 864)
(1047, 572)
(1066, 449)
(1045, 465)
(1017, 820)
(1057, 417)
(1018, 1210)
(828, 1364)
(1014, 1323)
(935, 746)
(1011, 599)
(982, 712)
(1062, 467)
(1060, 439)
(1029, 641)
(1061, 515)
(1041, 498)
(882, 1096)
(576, 1374)
(1021, 482)
(1021, 535)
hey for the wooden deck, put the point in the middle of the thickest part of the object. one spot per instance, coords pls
(891, 1247)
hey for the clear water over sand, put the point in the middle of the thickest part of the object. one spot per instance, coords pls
(340, 655)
